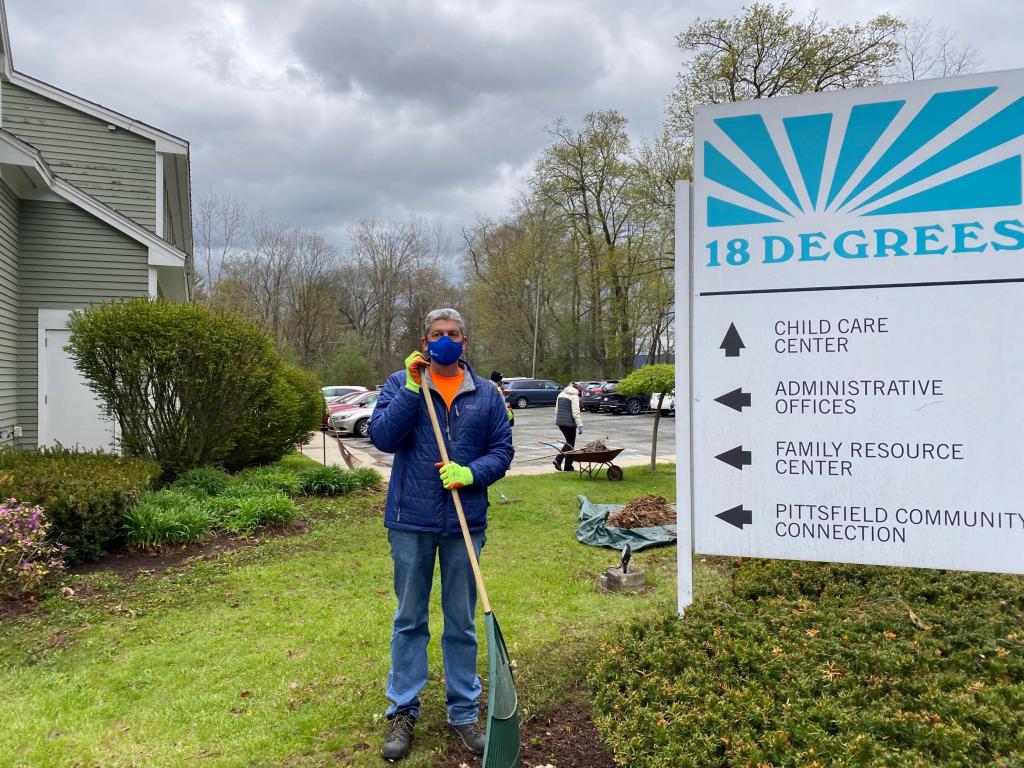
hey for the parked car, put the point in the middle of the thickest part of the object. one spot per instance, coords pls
(353, 400)
(335, 391)
(594, 394)
(333, 403)
(668, 405)
(355, 420)
(613, 402)
(522, 393)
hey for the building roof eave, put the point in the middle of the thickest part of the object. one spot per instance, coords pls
(161, 253)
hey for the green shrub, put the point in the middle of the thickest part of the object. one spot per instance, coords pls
(240, 513)
(329, 481)
(179, 378)
(270, 479)
(205, 481)
(296, 462)
(368, 477)
(85, 495)
(167, 517)
(278, 423)
(840, 666)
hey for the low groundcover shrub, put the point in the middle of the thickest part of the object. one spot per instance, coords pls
(85, 495)
(822, 665)
(27, 557)
(244, 513)
(205, 481)
(335, 481)
(167, 517)
(207, 500)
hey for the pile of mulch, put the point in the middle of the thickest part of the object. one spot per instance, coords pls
(595, 445)
(643, 512)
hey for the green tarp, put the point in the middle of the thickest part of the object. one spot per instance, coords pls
(592, 529)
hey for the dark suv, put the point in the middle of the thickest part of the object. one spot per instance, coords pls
(613, 402)
(594, 392)
(522, 393)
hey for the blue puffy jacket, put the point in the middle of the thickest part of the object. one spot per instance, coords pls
(476, 434)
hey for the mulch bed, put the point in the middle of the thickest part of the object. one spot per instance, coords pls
(128, 563)
(566, 738)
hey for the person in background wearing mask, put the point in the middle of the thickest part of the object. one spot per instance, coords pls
(569, 420)
(423, 528)
(496, 377)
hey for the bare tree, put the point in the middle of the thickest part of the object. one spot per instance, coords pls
(389, 253)
(219, 232)
(930, 51)
(310, 313)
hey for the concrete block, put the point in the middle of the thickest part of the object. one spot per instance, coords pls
(614, 580)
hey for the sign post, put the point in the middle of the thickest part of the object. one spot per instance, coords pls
(858, 318)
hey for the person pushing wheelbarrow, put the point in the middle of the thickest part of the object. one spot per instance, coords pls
(436, 512)
(569, 421)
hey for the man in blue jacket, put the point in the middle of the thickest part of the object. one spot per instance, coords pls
(423, 526)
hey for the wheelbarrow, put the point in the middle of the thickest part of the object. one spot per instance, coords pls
(591, 462)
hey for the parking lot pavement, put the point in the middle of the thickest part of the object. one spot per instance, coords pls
(535, 426)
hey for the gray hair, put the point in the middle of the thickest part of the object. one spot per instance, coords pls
(443, 314)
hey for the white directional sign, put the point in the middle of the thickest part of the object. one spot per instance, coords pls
(857, 342)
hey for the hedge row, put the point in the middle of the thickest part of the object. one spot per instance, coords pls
(84, 495)
(806, 664)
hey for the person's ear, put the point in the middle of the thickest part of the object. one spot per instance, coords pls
(423, 345)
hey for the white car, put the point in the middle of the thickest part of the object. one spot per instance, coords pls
(668, 405)
(338, 391)
(357, 420)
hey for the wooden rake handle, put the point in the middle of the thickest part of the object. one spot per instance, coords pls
(455, 496)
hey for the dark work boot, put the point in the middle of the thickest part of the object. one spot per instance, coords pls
(398, 738)
(471, 735)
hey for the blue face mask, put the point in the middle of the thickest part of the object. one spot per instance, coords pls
(445, 350)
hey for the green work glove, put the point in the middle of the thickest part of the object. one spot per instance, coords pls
(454, 476)
(414, 363)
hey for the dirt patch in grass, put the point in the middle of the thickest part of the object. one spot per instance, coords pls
(564, 738)
(10, 609)
(128, 563)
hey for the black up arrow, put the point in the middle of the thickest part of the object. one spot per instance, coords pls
(737, 516)
(735, 457)
(737, 399)
(732, 343)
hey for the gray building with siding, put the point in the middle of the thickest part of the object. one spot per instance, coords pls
(94, 206)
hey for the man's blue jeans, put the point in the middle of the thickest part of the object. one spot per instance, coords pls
(414, 555)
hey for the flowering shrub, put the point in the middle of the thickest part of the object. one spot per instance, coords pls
(26, 558)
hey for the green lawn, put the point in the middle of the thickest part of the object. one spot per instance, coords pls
(277, 654)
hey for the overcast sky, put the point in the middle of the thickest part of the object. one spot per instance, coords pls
(322, 112)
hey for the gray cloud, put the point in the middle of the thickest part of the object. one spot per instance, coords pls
(319, 113)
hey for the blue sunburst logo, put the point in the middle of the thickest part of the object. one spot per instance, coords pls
(851, 186)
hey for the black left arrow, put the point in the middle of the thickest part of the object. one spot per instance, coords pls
(735, 457)
(737, 516)
(737, 399)
(732, 343)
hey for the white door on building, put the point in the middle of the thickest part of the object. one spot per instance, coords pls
(72, 415)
